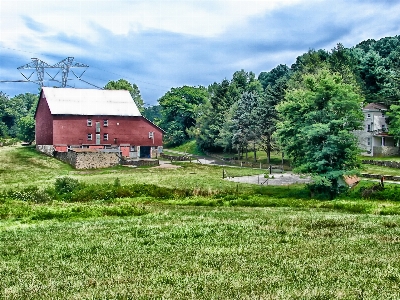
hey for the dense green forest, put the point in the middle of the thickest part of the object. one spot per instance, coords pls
(240, 113)
(307, 110)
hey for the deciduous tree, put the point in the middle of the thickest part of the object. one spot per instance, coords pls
(133, 89)
(180, 108)
(318, 118)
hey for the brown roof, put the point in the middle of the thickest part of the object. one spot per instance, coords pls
(351, 180)
(375, 106)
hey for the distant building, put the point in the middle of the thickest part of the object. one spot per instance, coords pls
(107, 120)
(374, 139)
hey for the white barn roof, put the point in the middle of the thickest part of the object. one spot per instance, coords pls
(69, 101)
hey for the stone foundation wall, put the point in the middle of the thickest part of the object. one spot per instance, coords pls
(176, 158)
(140, 163)
(88, 160)
(382, 163)
(386, 151)
(378, 176)
(46, 149)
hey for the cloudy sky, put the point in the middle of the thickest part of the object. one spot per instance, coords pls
(162, 44)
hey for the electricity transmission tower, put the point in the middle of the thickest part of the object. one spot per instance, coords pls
(38, 66)
(65, 65)
(42, 68)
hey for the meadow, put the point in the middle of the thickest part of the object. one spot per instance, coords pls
(186, 233)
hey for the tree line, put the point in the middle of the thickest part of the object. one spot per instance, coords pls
(307, 111)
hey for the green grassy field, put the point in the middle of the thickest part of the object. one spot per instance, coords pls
(177, 252)
(224, 241)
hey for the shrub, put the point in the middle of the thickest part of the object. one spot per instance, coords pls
(30, 193)
(64, 185)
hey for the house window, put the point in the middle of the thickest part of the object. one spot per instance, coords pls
(105, 137)
(132, 149)
(369, 141)
(105, 123)
(368, 127)
(368, 115)
(89, 137)
(383, 127)
(383, 115)
(89, 122)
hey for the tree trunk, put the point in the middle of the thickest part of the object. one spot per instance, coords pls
(255, 152)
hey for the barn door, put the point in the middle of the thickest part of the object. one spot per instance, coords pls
(97, 138)
(97, 127)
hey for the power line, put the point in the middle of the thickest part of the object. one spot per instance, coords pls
(122, 76)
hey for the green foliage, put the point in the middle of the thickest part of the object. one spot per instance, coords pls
(215, 128)
(318, 117)
(66, 185)
(122, 84)
(189, 147)
(153, 113)
(244, 121)
(180, 109)
(26, 129)
(265, 114)
(16, 116)
(394, 115)
(28, 194)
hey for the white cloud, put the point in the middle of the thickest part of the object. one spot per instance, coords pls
(77, 17)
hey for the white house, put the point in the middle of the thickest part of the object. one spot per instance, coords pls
(374, 139)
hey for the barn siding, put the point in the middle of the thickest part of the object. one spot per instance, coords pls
(73, 130)
(43, 123)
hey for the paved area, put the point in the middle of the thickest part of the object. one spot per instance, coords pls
(277, 179)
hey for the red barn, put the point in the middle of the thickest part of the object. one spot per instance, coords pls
(108, 120)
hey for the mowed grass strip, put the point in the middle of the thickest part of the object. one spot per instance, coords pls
(178, 252)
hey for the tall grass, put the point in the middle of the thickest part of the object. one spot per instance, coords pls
(204, 253)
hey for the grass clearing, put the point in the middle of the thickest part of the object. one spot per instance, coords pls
(386, 158)
(23, 166)
(189, 147)
(204, 253)
(240, 241)
(373, 169)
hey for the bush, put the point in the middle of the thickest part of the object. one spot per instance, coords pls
(30, 193)
(64, 185)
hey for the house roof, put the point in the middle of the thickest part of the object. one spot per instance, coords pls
(375, 106)
(70, 101)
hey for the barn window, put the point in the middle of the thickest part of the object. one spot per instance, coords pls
(89, 137)
(89, 122)
(97, 127)
(105, 136)
(105, 123)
